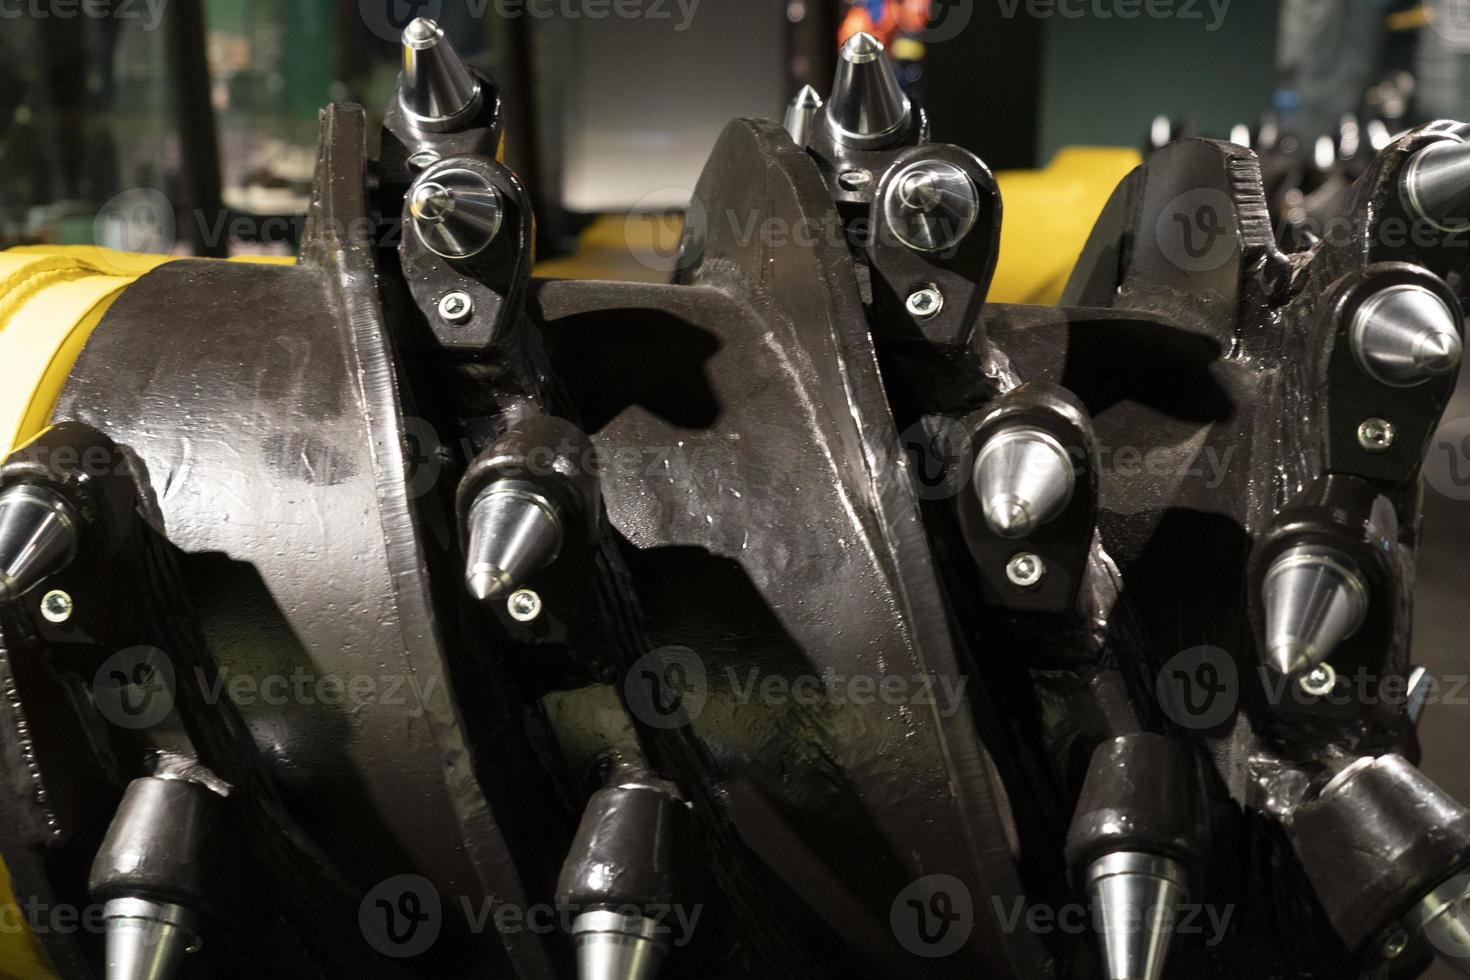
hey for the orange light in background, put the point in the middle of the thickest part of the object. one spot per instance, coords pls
(899, 17)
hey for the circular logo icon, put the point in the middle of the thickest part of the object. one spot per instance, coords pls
(421, 457)
(388, 18)
(663, 236)
(939, 454)
(134, 688)
(948, 19)
(1447, 466)
(402, 916)
(1195, 231)
(667, 688)
(933, 917)
(1199, 688)
(137, 220)
(1450, 19)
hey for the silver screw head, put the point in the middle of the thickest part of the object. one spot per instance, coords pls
(1026, 570)
(1395, 945)
(1377, 435)
(56, 606)
(855, 180)
(524, 605)
(924, 304)
(1320, 681)
(456, 307)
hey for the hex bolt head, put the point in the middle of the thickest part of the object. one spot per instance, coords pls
(1319, 681)
(524, 605)
(925, 304)
(1376, 435)
(1026, 570)
(56, 606)
(456, 307)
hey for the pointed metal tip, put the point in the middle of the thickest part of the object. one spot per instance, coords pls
(1008, 517)
(488, 583)
(1436, 185)
(1314, 598)
(1291, 658)
(861, 48)
(514, 532)
(437, 91)
(1024, 479)
(421, 32)
(799, 116)
(808, 97)
(868, 108)
(147, 940)
(611, 946)
(457, 214)
(1405, 335)
(1135, 899)
(38, 537)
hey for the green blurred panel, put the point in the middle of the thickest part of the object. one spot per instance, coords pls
(1106, 77)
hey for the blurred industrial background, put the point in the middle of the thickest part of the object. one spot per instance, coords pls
(189, 126)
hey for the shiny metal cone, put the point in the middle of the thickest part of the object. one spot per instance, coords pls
(1315, 598)
(38, 537)
(799, 115)
(1405, 335)
(1135, 899)
(931, 205)
(437, 88)
(868, 109)
(456, 214)
(147, 940)
(616, 947)
(1444, 916)
(1436, 185)
(514, 532)
(1024, 478)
